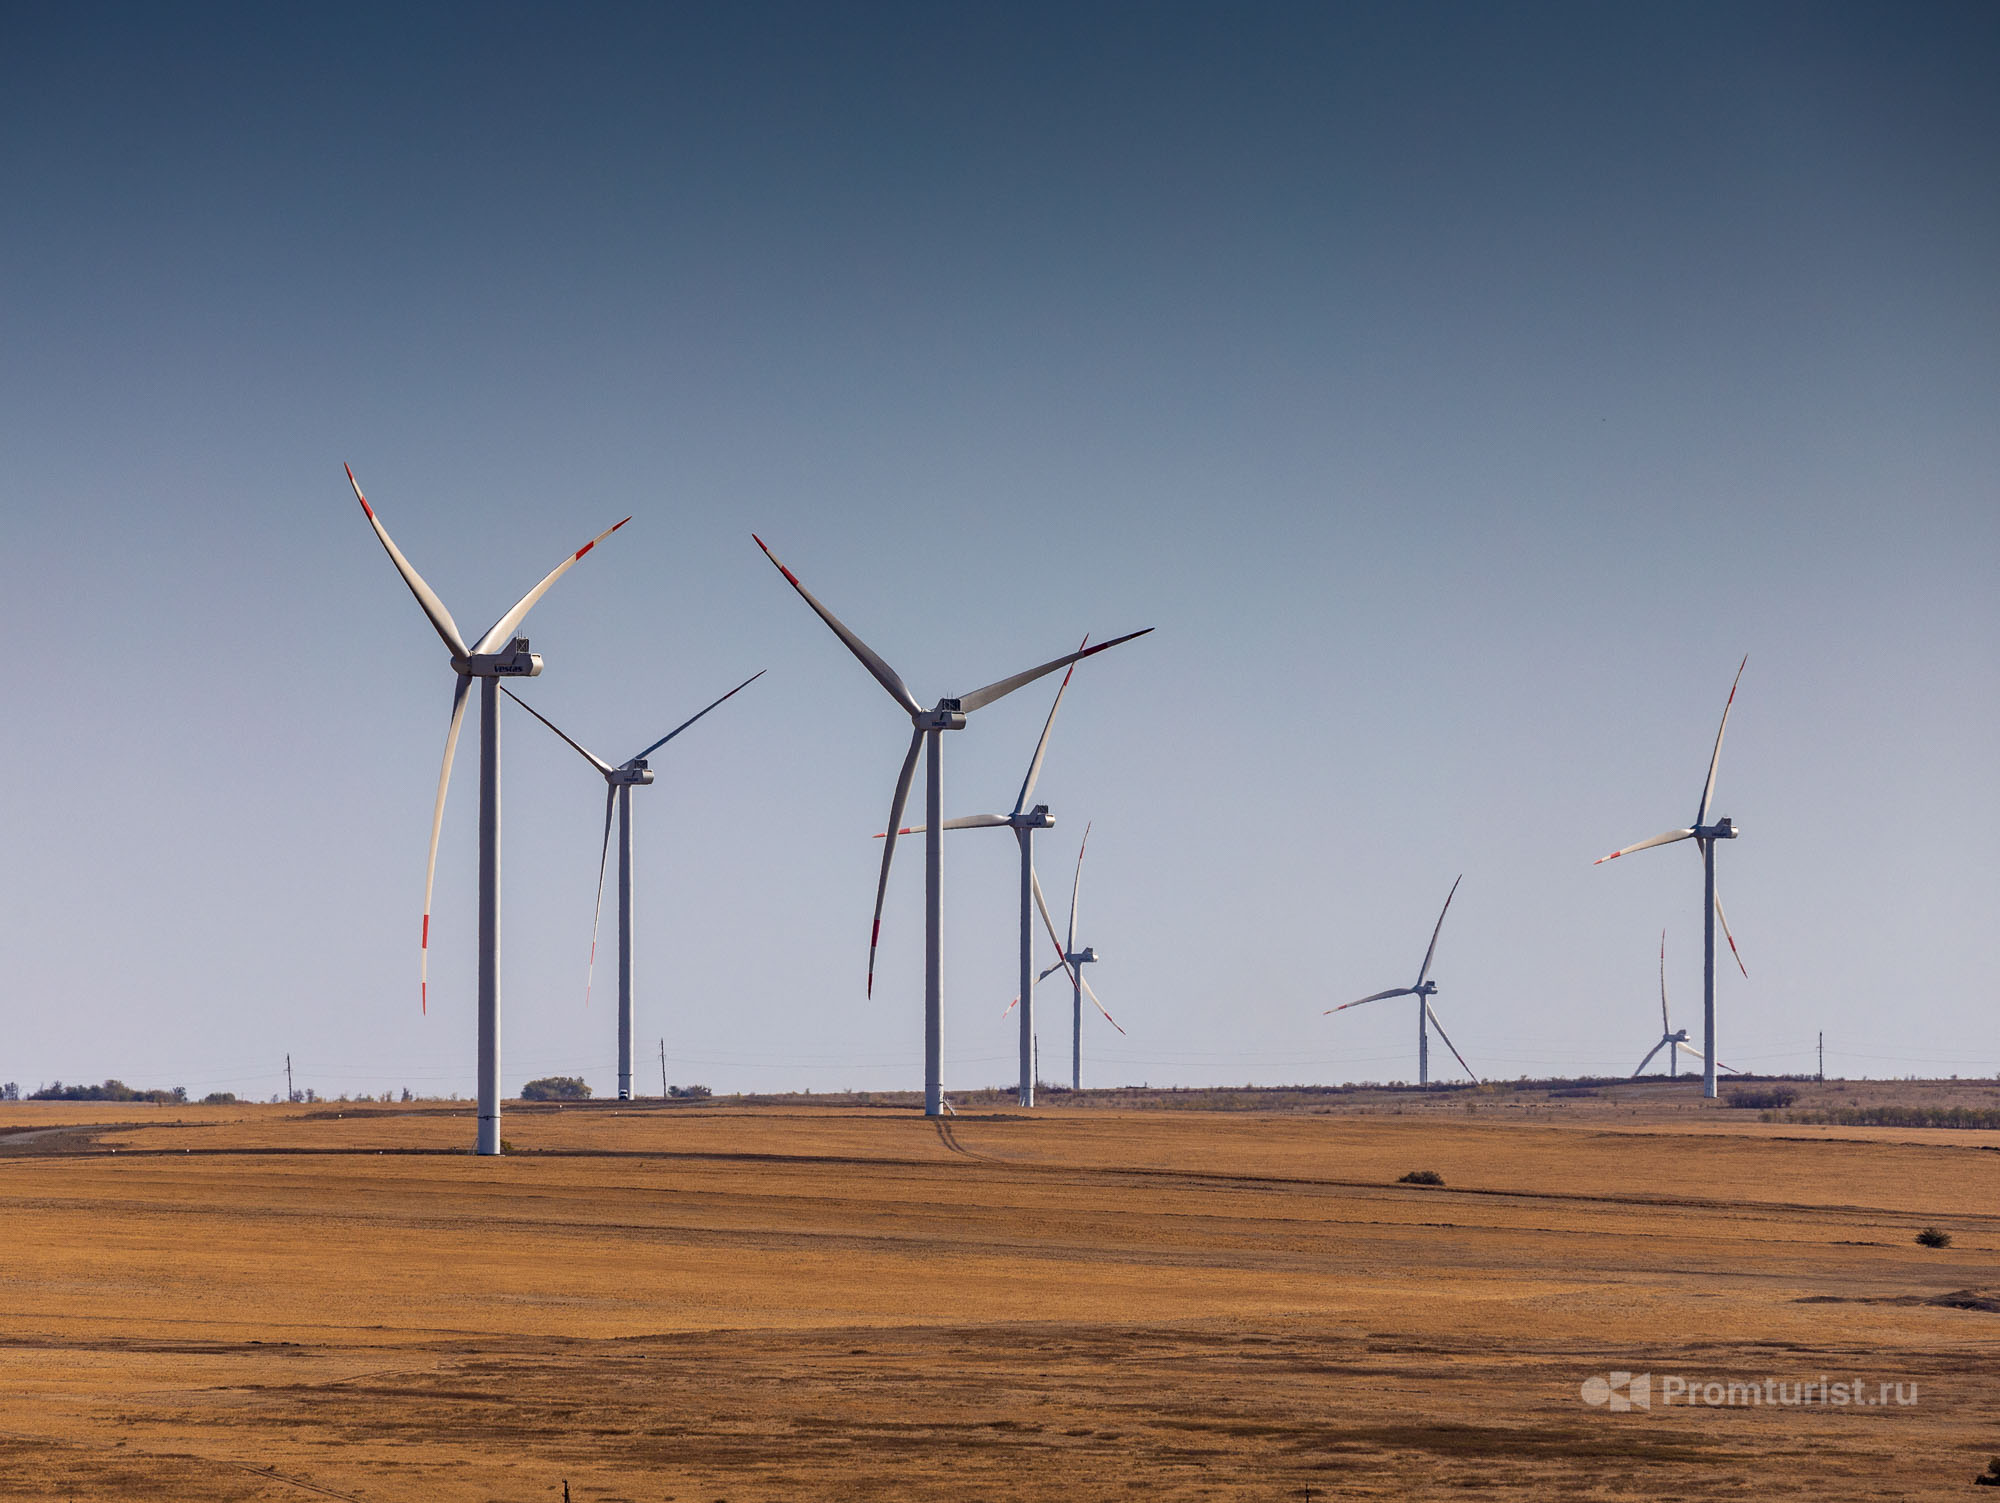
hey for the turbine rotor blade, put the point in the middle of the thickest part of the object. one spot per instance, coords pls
(597, 912)
(1667, 839)
(1649, 1058)
(1099, 1005)
(1042, 746)
(978, 699)
(1042, 906)
(1708, 788)
(963, 822)
(501, 631)
(1432, 1015)
(886, 676)
(1665, 1026)
(591, 757)
(458, 698)
(889, 845)
(440, 618)
(1432, 951)
(1076, 887)
(1734, 955)
(1398, 991)
(697, 715)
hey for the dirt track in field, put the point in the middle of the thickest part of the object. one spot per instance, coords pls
(793, 1303)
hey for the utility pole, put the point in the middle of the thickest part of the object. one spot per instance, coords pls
(290, 1094)
(663, 1069)
(1822, 1054)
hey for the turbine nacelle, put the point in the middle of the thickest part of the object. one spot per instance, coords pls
(515, 662)
(1037, 818)
(1724, 828)
(1082, 957)
(1425, 988)
(948, 716)
(634, 774)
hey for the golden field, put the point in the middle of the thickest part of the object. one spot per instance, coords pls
(838, 1302)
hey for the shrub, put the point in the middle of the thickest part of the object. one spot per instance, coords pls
(1977, 1117)
(1776, 1096)
(219, 1098)
(689, 1092)
(111, 1090)
(1930, 1236)
(556, 1088)
(1422, 1177)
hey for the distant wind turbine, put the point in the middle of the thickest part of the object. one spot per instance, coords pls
(498, 654)
(619, 782)
(1023, 821)
(1672, 1039)
(1073, 960)
(1704, 836)
(929, 727)
(1423, 991)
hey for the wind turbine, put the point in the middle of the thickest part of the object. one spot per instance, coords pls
(1423, 991)
(1023, 821)
(488, 661)
(1073, 960)
(928, 728)
(619, 782)
(1672, 1039)
(1704, 836)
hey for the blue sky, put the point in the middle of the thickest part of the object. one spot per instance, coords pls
(1460, 392)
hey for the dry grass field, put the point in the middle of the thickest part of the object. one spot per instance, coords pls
(810, 1302)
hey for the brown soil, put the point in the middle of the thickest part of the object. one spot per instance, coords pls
(807, 1303)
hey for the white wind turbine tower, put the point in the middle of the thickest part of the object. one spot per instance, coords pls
(1672, 1039)
(619, 782)
(1023, 821)
(1423, 991)
(1704, 836)
(496, 655)
(929, 727)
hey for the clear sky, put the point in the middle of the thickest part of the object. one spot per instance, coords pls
(1460, 390)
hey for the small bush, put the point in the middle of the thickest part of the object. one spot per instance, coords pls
(219, 1098)
(1991, 1476)
(689, 1092)
(556, 1088)
(1930, 1236)
(1422, 1177)
(1776, 1096)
